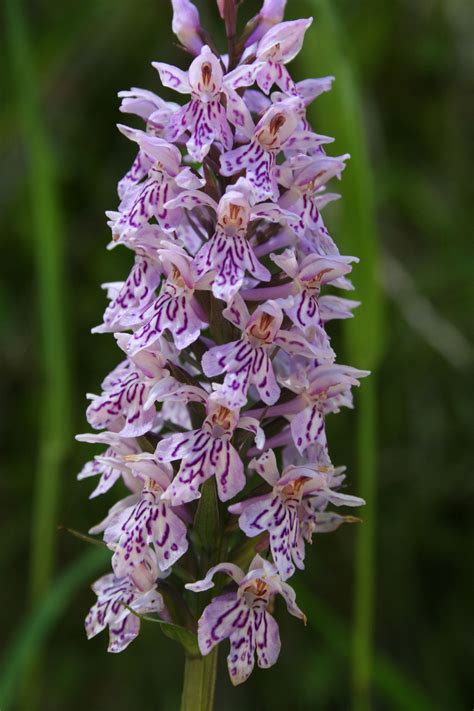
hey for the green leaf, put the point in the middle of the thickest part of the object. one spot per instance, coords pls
(83, 536)
(183, 636)
(36, 626)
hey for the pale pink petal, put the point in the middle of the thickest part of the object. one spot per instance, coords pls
(266, 466)
(307, 427)
(172, 77)
(219, 620)
(268, 640)
(230, 569)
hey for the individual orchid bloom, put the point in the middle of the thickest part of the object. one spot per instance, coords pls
(258, 157)
(144, 522)
(186, 25)
(322, 521)
(146, 104)
(228, 253)
(304, 141)
(105, 465)
(130, 298)
(307, 277)
(321, 390)
(277, 47)
(145, 241)
(335, 307)
(247, 361)
(327, 490)
(242, 616)
(207, 451)
(148, 239)
(129, 393)
(271, 13)
(281, 512)
(156, 112)
(166, 177)
(205, 116)
(306, 92)
(119, 604)
(176, 308)
(304, 176)
(315, 521)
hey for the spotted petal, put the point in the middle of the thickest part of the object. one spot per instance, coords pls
(127, 401)
(113, 595)
(204, 456)
(172, 311)
(150, 522)
(134, 296)
(230, 257)
(172, 77)
(307, 428)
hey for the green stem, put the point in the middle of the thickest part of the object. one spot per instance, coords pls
(199, 682)
(365, 554)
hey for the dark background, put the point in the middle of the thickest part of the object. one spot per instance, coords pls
(413, 64)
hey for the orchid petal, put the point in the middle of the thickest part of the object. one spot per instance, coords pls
(172, 77)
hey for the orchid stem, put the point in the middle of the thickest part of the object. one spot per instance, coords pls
(199, 682)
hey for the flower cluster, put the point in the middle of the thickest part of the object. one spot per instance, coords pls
(228, 373)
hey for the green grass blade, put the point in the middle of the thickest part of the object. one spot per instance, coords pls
(398, 690)
(47, 245)
(341, 116)
(36, 627)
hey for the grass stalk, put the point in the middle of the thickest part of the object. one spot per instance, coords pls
(340, 115)
(397, 689)
(47, 244)
(39, 623)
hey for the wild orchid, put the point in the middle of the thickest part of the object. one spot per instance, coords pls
(215, 419)
(242, 616)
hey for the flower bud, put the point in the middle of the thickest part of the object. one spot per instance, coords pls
(186, 25)
(271, 14)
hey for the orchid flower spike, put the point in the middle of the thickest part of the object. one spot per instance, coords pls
(213, 421)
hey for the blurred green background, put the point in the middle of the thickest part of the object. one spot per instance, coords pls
(402, 105)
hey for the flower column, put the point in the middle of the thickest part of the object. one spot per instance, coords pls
(215, 419)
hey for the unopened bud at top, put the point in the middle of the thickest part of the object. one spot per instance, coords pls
(271, 14)
(186, 25)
